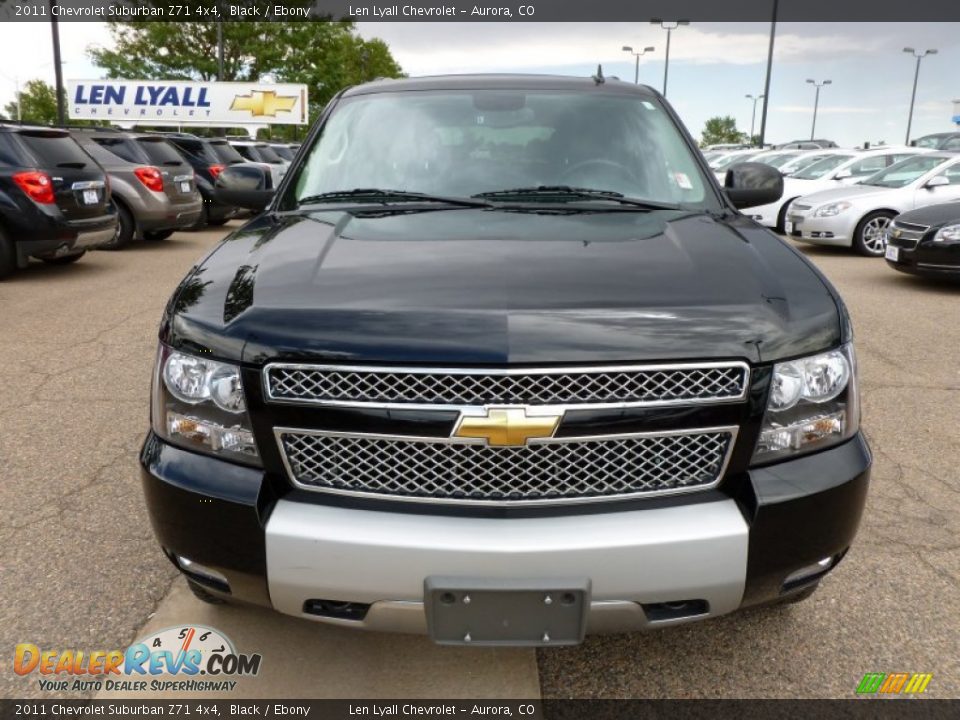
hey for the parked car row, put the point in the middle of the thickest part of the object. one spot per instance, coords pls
(64, 191)
(848, 197)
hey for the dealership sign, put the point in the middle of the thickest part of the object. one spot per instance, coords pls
(175, 102)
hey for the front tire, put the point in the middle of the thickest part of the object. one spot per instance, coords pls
(202, 594)
(870, 237)
(65, 260)
(800, 596)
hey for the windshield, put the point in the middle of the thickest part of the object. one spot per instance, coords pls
(462, 143)
(731, 160)
(777, 161)
(225, 152)
(284, 152)
(820, 168)
(267, 155)
(929, 141)
(905, 172)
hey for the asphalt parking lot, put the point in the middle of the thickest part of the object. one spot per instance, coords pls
(79, 567)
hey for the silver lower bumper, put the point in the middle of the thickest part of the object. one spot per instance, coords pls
(696, 551)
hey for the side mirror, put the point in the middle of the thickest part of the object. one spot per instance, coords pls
(937, 181)
(750, 184)
(843, 174)
(245, 186)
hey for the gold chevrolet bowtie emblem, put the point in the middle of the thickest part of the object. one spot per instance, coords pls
(264, 103)
(504, 427)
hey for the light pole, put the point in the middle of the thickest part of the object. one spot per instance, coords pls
(916, 76)
(636, 73)
(816, 102)
(669, 26)
(753, 116)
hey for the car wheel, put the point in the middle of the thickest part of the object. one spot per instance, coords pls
(217, 223)
(203, 594)
(125, 229)
(870, 237)
(65, 259)
(8, 258)
(157, 235)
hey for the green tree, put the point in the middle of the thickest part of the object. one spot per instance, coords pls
(721, 130)
(324, 54)
(38, 104)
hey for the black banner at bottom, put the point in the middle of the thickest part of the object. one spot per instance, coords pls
(859, 709)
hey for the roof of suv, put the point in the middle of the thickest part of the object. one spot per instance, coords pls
(499, 81)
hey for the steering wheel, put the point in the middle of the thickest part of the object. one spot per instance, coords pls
(601, 163)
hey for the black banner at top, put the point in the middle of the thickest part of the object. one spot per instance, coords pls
(482, 10)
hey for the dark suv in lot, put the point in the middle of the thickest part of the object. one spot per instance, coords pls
(54, 198)
(515, 370)
(208, 159)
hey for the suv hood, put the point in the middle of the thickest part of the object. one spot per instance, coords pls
(464, 286)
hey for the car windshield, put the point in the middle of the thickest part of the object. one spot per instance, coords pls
(267, 155)
(225, 152)
(930, 141)
(820, 168)
(464, 143)
(905, 172)
(284, 152)
(777, 161)
(731, 160)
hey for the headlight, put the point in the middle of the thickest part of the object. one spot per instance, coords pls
(948, 232)
(812, 404)
(198, 403)
(831, 209)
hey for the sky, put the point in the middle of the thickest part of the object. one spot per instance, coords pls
(712, 66)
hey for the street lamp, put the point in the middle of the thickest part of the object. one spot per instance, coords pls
(753, 116)
(669, 26)
(816, 102)
(636, 73)
(916, 76)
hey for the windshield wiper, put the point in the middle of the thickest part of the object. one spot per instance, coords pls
(566, 193)
(385, 197)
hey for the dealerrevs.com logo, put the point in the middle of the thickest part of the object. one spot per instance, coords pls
(901, 683)
(180, 654)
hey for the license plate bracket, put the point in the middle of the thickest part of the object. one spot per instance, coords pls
(506, 612)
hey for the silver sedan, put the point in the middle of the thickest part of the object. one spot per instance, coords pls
(858, 215)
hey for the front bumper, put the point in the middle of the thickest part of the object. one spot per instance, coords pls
(927, 258)
(836, 230)
(715, 552)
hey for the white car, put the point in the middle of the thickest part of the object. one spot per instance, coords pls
(719, 165)
(807, 158)
(838, 168)
(858, 215)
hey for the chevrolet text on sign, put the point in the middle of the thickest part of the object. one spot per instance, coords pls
(177, 101)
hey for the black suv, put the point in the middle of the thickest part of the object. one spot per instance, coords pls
(501, 362)
(54, 198)
(208, 158)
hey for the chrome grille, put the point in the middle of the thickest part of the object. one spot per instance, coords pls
(543, 472)
(906, 235)
(634, 385)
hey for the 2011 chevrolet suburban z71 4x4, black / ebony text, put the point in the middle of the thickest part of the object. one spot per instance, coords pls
(502, 363)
